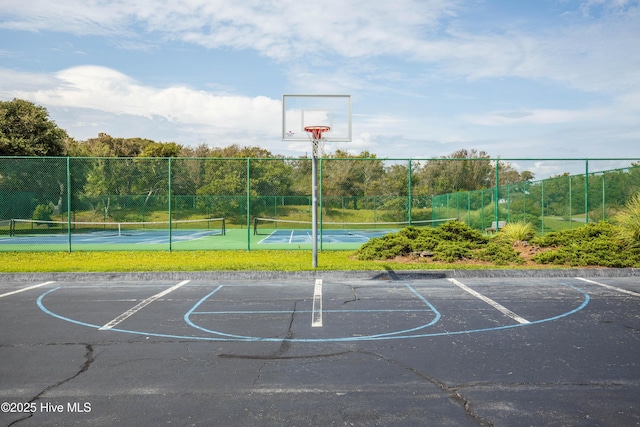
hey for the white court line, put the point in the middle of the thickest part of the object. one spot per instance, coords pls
(291, 237)
(635, 294)
(268, 237)
(26, 289)
(316, 313)
(491, 302)
(140, 306)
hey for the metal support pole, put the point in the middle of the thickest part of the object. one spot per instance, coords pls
(248, 202)
(410, 193)
(314, 204)
(69, 203)
(170, 212)
(586, 191)
(496, 196)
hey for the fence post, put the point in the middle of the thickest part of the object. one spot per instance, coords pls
(410, 195)
(469, 208)
(570, 202)
(248, 204)
(586, 191)
(69, 202)
(542, 205)
(170, 212)
(482, 219)
(496, 207)
(604, 198)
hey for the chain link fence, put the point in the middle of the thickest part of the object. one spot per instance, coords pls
(65, 204)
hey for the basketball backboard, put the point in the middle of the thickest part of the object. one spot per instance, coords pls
(300, 111)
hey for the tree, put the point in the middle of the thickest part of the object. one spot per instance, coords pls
(343, 177)
(226, 176)
(26, 130)
(465, 170)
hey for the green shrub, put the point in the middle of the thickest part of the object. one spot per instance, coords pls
(598, 244)
(569, 237)
(459, 231)
(43, 212)
(517, 231)
(629, 221)
(385, 247)
(592, 245)
(449, 242)
(600, 251)
(452, 251)
(499, 254)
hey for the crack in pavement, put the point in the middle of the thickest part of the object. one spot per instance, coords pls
(544, 385)
(355, 296)
(89, 358)
(285, 345)
(452, 392)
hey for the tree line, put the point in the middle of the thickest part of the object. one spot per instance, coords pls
(27, 130)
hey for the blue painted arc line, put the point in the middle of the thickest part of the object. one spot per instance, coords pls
(378, 337)
(193, 309)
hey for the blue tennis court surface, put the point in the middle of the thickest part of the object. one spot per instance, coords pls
(110, 237)
(327, 236)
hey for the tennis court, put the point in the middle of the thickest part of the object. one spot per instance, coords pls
(289, 232)
(459, 348)
(193, 234)
(293, 237)
(58, 235)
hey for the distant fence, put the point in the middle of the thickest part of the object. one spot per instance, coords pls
(353, 190)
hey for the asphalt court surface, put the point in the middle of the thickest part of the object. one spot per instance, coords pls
(321, 349)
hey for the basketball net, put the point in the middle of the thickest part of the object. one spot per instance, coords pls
(316, 135)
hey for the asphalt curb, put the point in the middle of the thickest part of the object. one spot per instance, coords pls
(325, 274)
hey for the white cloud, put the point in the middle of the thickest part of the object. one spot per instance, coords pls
(540, 116)
(378, 51)
(90, 99)
(277, 29)
(107, 90)
(582, 54)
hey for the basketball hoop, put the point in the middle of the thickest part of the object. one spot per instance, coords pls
(317, 139)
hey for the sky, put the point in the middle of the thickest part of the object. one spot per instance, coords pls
(514, 78)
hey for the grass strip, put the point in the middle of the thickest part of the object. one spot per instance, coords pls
(129, 261)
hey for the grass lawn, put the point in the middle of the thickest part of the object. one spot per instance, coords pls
(263, 260)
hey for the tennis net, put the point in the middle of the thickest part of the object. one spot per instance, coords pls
(265, 226)
(18, 227)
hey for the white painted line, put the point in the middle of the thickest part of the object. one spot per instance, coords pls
(268, 237)
(316, 313)
(26, 289)
(140, 306)
(635, 294)
(491, 302)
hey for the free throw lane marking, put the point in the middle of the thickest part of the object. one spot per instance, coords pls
(140, 306)
(635, 294)
(316, 316)
(26, 289)
(502, 309)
